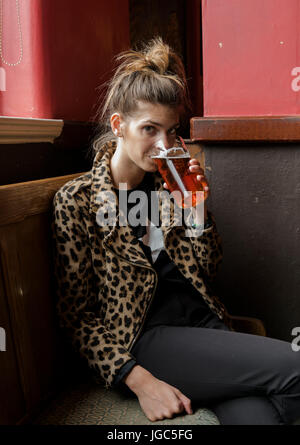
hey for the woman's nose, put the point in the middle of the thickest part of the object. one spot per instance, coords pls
(168, 141)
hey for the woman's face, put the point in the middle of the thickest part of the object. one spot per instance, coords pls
(140, 131)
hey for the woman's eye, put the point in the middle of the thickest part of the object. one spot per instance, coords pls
(149, 129)
(173, 131)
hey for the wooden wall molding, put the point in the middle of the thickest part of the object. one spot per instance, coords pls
(246, 129)
(19, 130)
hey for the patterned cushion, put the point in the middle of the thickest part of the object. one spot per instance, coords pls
(91, 404)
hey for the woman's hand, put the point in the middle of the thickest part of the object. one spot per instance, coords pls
(158, 399)
(194, 167)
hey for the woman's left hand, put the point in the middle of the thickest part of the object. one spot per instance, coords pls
(194, 167)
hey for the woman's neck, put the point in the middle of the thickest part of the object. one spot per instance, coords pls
(123, 170)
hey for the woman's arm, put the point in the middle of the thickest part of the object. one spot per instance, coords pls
(208, 245)
(157, 398)
(79, 308)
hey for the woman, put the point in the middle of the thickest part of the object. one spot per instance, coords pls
(136, 300)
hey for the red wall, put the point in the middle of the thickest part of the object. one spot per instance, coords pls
(251, 51)
(67, 53)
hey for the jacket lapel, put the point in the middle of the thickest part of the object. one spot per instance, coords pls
(104, 202)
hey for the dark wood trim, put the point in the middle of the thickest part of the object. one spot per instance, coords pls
(70, 153)
(24, 199)
(77, 134)
(248, 129)
(194, 54)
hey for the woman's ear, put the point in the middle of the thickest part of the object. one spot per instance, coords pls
(116, 124)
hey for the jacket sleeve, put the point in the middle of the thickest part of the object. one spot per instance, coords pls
(124, 371)
(208, 247)
(78, 304)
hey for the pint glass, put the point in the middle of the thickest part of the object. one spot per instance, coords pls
(173, 165)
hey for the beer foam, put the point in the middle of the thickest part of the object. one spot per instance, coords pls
(174, 152)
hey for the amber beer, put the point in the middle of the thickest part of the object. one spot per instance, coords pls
(174, 169)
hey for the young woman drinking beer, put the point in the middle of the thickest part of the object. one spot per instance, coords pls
(136, 300)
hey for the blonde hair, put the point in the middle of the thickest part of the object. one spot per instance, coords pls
(154, 74)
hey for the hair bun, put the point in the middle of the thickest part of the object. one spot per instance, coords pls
(157, 55)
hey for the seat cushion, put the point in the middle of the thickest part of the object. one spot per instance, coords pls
(88, 403)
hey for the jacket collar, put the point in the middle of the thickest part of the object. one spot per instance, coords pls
(103, 199)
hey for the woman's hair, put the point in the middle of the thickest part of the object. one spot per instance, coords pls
(154, 74)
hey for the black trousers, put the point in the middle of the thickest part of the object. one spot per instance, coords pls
(245, 379)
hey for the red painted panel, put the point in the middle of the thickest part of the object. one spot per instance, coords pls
(68, 48)
(251, 51)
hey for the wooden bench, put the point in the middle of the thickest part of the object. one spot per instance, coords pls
(41, 381)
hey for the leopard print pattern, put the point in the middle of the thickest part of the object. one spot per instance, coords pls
(105, 283)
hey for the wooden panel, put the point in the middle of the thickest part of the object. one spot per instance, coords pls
(29, 369)
(18, 201)
(12, 404)
(266, 129)
(26, 266)
(70, 153)
(194, 65)
(196, 151)
(151, 18)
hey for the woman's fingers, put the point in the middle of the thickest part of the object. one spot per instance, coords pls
(194, 167)
(203, 182)
(193, 161)
(185, 401)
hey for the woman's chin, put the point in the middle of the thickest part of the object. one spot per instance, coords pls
(151, 165)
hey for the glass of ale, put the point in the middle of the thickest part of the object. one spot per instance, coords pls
(173, 165)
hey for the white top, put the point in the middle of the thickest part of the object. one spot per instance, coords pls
(154, 239)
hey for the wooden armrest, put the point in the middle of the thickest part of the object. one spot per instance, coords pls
(248, 325)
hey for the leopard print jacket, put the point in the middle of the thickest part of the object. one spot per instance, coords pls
(105, 283)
